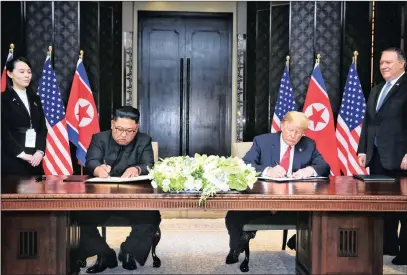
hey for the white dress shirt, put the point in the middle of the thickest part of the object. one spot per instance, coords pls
(22, 94)
(283, 149)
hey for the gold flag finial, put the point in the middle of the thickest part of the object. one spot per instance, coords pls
(287, 62)
(318, 58)
(50, 51)
(355, 57)
(11, 50)
(81, 54)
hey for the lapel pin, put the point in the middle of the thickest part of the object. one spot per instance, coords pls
(300, 149)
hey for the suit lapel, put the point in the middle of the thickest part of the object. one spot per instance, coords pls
(275, 149)
(18, 103)
(376, 96)
(392, 91)
(298, 153)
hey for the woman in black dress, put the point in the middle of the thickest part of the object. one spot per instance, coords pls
(23, 126)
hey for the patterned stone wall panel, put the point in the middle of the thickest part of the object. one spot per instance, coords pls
(38, 35)
(66, 48)
(241, 53)
(250, 85)
(301, 48)
(262, 70)
(280, 33)
(357, 37)
(89, 43)
(128, 67)
(387, 17)
(117, 55)
(328, 44)
(106, 68)
(12, 14)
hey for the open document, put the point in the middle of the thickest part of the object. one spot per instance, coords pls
(292, 179)
(118, 179)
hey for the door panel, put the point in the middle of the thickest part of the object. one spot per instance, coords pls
(189, 115)
(207, 47)
(162, 47)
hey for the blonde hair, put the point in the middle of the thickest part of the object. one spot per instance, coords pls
(297, 117)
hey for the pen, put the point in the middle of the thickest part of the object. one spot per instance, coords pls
(104, 161)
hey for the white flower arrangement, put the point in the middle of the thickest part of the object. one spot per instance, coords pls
(209, 174)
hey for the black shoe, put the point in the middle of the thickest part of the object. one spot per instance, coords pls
(292, 242)
(128, 261)
(391, 251)
(82, 262)
(400, 260)
(103, 262)
(232, 257)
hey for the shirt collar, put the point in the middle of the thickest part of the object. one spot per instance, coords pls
(20, 91)
(282, 142)
(392, 82)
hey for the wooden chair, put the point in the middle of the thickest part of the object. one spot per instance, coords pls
(279, 221)
(121, 223)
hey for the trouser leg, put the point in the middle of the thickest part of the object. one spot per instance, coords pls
(235, 220)
(144, 226)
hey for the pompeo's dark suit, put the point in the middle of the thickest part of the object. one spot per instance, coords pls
(389, 126)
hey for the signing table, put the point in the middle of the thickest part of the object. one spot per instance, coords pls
(339, 226)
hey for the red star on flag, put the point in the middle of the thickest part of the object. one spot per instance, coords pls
(316, 116)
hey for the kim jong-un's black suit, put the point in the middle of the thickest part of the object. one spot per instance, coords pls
(144, 224)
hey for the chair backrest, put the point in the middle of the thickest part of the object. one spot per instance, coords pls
(155, 150)
(239, 149)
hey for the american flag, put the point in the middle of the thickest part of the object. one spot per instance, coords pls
(285, 101)
(4, 73)
(349, 124)
(57, 159)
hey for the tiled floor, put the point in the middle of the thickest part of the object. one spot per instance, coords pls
(199, 246)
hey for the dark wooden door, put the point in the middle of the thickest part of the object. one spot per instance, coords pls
(184, 83)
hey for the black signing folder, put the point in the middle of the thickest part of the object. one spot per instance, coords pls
(374, 178)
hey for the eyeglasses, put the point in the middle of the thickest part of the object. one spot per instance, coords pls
(128, 131)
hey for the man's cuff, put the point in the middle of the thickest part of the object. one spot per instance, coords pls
(139, 170)
(41, 152)
(315, 174)
(363, 154)
(265, 172)
(21, 155)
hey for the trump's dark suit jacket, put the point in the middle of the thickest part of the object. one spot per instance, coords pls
(265, 152)
(103, 147)
(389, 125)
(15, 120)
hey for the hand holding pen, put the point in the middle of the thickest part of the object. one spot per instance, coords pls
(276, 172)
(102, 171)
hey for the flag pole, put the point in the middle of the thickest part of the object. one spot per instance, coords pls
(287, 62)
(81, 57)
(355, 58)
(11, 50)
(49, 51)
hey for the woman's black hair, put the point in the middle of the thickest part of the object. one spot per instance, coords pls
(11, 65)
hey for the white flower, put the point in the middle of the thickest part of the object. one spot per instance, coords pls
(166, 182)
(154, 184)
(209, 174)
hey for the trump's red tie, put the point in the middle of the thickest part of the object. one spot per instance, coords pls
(285, 160)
